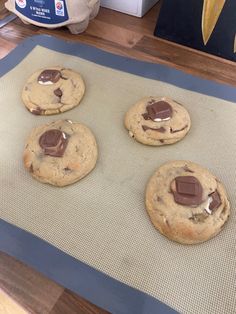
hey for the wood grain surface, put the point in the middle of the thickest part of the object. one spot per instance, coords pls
(121, 34)
(23, 290)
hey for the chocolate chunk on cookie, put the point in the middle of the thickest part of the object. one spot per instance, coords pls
(54, 142)
(158, 111)
(48, 77)
(187, 190)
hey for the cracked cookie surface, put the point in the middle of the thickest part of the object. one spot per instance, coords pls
(157, 121)
(186, 203)
(60, 153)
(53, 90)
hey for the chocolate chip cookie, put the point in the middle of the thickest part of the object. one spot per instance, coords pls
(186, 203)
(60, 153)
(157, 121)
(53, 90)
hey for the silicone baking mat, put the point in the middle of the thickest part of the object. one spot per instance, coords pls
(95, 236)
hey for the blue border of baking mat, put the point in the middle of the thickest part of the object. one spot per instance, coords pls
(73, 274)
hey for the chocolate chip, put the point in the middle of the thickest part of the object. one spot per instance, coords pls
(49, 75)
(58, 92)
(162, 141)
(179, 130)
(37, 111)
(145, 116)
(53, 142)
(159, 110)
(161, 130)
(188, 191)
(67, 169)
(216, 201)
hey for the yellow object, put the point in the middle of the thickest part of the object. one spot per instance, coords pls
(210, 15)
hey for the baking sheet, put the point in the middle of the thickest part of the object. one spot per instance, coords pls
(101, 220)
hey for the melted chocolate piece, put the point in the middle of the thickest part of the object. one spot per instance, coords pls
(53, 142)
(161, 130)
(49, 76)
(145, 116)
(158, 110)
(37, 111)
(216, 201)
(187, 185)
(175, 131)
(188, 191)
(58, 92)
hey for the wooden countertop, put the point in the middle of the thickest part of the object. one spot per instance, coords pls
(23, 290)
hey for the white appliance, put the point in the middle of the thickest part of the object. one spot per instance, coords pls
(133, 7)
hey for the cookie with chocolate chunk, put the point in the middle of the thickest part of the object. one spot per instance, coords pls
(186, 203)
(157, 121)
(53, 90)
(60, 153)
